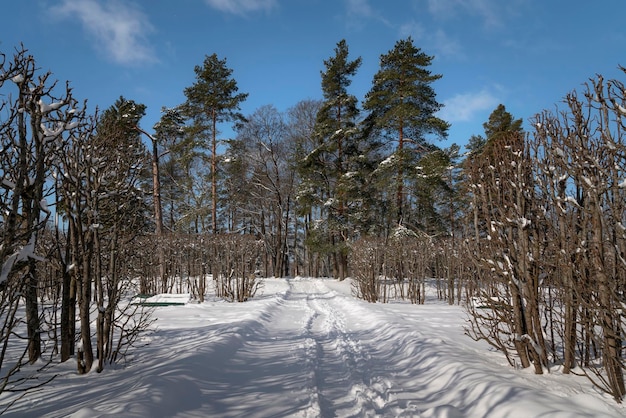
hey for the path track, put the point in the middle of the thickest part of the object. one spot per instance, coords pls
(301, 349)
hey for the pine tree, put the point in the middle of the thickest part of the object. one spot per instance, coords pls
(433, 189)
(324, 169)
(300, 127)
(402, 103)
(212, 99)
(171, 148)
(121, 182)
(475, 144)
(500, 121)
(501, 124)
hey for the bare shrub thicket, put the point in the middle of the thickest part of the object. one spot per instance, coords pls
(367, 264)
(233, 262)
(549, 239)
(400, 266)
(509, 243)
(584, 165)
(236, 266)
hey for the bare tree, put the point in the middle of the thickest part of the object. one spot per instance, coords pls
(80, 209)
(35, 126)
(549, 239)
(509, 245)
(271, 183)
(584, 164)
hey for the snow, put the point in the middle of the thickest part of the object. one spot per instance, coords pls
(47, 108)
(22, 254)
(387, 161)
(8, 183)
(524, 222)
(179, 298)
(308, 348)
(402, 232)
(587, 181)
(570, 199)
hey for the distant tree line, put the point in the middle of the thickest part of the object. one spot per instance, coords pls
(525, 228)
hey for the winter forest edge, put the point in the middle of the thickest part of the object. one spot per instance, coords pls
(527, 230)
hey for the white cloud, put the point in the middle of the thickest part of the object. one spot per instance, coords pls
(117, 27)
(445, 45)
(414, 29)
(490, 11)
(359, 11)
(360, 8)
(437, 42)
(242, 7)
(464, 107)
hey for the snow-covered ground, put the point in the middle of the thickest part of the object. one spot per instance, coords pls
(308, 348)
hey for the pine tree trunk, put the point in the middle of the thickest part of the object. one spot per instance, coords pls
(158, 212)
(214, 173)
(400, 186)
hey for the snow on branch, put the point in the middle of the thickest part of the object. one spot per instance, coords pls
(24, 253)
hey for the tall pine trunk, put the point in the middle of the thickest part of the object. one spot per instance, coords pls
(400, 180)
(214, 172)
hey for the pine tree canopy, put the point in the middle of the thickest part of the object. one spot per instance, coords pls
(401, 99)
(170, 126)
(339, 109)
(501, 121)
(122, 115)
(213, 97)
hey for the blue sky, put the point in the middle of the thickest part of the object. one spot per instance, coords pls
(526, 54)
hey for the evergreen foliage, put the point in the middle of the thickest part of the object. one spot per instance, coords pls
(175, 153)
(327, 179)
(213, 97)
(211, 100)
(126, 182)
(402, 104)
(500, 122)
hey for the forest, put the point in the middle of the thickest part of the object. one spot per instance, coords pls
(526, 228)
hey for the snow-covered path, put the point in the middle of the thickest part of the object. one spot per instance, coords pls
(299, 358)
(308, 348)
